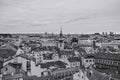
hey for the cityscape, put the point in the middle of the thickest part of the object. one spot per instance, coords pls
(50, 56)
(59, 39)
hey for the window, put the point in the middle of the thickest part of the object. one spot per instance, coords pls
(86, 60)
(6, 68)
(60, 45)
(90, 60)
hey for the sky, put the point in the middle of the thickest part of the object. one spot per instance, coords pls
(74, 16)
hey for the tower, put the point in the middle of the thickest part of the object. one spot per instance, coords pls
(61, 40)
(61, 35)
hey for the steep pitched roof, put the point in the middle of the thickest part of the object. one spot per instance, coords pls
(15, 65)
(95, 75)
(27, 57)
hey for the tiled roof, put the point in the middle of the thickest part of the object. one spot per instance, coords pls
(66, 70)
(60, 64)
(74, 40)
(42, 78)
(47, 65)
(9, 59)
(26, 57)
(15, 65)
(74, 59)
(95, 75)
(89, 56)
(5, 53)
(66, 53)
(20, 75)
(57, 64)
(81, 50)
(37, 49)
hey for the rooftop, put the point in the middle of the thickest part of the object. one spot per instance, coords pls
(20, 75)
(74, 59)
(26, 57)
(92, 74)
(15, 65)
(58, 64)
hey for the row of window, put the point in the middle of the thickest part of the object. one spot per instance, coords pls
(90, 60)
(109, 62)
(75, 64)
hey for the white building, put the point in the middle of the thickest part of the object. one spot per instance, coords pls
(81, 75)
(28, 64)
(88, 60)
(74, 62)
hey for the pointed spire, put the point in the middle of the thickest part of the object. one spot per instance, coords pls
(61, 32)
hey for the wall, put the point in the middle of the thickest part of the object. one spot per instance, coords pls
(36, 70)
(8, 71)
(80, 76)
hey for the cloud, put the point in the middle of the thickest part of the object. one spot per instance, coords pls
(51, 14)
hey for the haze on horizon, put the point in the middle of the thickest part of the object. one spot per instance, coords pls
(74, 16)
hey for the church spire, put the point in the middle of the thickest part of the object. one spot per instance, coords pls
(61, 32)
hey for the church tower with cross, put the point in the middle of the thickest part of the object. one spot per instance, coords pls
(61, 40)
(61, 34)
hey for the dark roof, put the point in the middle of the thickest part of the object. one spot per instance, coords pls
(74, 59)
(65, 70)
(74, 40)
(42, 78)
(33, 46)
(37, 49)
(1, 40)
(84, 36)
(66, 52)
(20, 75)
(89, 56)
(47, 65)
(95, 75)
(26, 57)
(81, 50)
(61, 41)
(58, 64)
(5, 53)
(15, 65)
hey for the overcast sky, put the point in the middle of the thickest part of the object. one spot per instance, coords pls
(74, 16)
